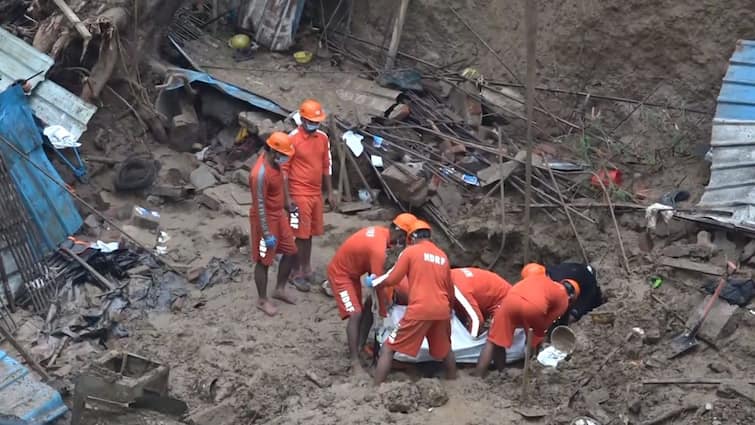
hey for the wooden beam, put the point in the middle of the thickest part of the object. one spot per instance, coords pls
(398, 27)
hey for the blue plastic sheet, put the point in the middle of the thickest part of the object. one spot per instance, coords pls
(23, 396)
(50, 206)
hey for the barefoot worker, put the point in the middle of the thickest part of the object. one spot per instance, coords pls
(428, 314)
(534, 303)
(362, 253)
(479, 293)
(270, 230)
(304, 176)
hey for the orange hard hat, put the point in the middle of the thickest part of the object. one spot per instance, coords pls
(404, 221)
(532, 269)
(419, 225)
(280, 142)
(311, 110)
(575, 285)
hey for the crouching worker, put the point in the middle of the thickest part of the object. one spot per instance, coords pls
(590, 295)
(428, 314)
(270, 232)
(362, 253)
(478, 295)
(534, 303)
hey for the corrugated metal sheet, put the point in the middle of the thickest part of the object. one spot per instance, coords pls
(23, 396)
(51, 103)
(731, 189)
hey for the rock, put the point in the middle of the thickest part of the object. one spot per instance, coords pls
(399, 397)
(203, 178)
(209, 201)
(142, 236)
(92, 221)
(720, 322)
(222, 414)
(748, 251)
(377, 214)
(155, 200)
(432, 393)
(688, 250)
(718, 367)
(652, 336)
(635, 406)
(705, 239)
(240, 177)
(723, 244)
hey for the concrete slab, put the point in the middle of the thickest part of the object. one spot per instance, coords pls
(721, 320)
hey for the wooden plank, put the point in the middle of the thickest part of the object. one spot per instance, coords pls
(352, 207)
(684, 264)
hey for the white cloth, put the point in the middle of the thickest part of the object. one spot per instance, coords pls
(60, 137)
(651, 214)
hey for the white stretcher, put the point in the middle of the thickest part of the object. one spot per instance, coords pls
(466, 347)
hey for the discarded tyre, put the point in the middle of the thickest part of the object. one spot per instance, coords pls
(136, 174)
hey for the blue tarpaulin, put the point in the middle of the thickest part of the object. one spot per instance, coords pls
(23, 396)
(50, 206)
(229, 89)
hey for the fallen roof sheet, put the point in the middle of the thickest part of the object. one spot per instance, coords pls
(229, 89)
(346, 94)
(731, 189)
(51, 103)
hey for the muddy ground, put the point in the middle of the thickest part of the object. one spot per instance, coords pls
(668, 51)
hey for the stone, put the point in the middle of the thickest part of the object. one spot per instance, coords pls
(432, 393)
(143, 236)
(155, 200)
(721, 320)
(724, 245)
(748, 251)
(704, 238)
(688, 250)
(652, 336)
(185, 129)
(203, 178)
(92, 222)
(399, 397)
(209, 201)
(718, 367)
(240, 177)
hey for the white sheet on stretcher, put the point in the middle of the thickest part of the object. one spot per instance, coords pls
(466, 348)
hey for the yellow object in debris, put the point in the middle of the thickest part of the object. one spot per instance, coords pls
(240, 41)
(242, 134)
(471, 74)
(303, 56)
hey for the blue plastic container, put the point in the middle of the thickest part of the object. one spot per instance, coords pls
(22, 395)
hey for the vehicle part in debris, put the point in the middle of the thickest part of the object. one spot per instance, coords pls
(135, 174)
(274, 23)
(24, 397)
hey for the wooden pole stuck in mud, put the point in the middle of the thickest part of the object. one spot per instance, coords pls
(530, 25)
(398, 27)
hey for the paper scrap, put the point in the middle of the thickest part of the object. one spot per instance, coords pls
(105, 247)
(377, 161)
(354, 142)
(551, 356)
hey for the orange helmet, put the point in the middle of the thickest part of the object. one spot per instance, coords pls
(419, 225)
(575, 285)
(404, 221)
(532, 269)
(279, 142)
(311, 110)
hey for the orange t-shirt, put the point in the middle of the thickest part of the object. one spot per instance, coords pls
(266, 184)
(483, 289)
(429, 273)
(545, 295)
(309, 164)
(363, 252)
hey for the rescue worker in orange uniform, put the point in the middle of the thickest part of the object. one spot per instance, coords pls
(364, 252)
(270, 230)
(304, 174)
(428, 314)
(534, 303)
(480, 291)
